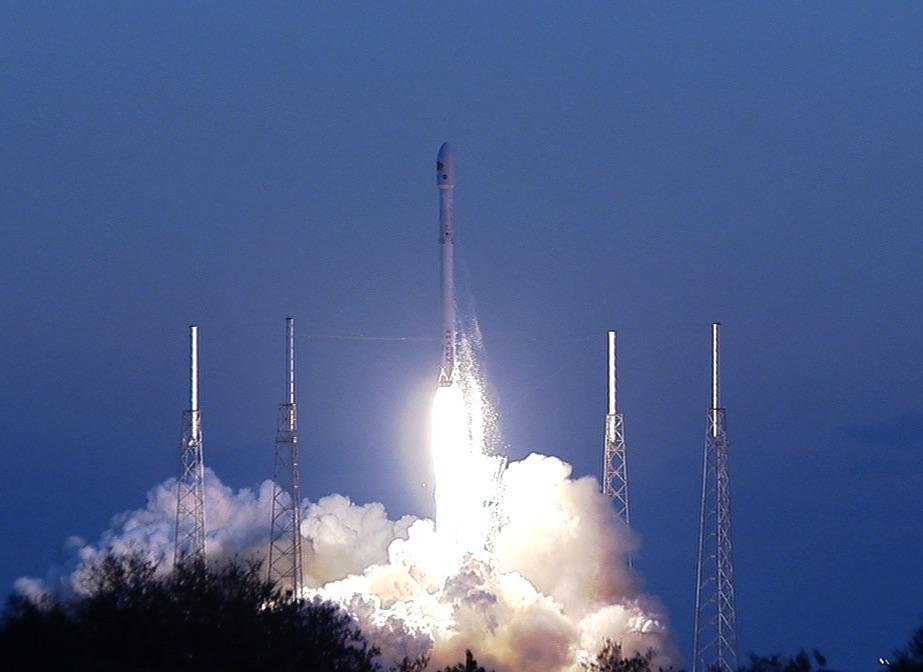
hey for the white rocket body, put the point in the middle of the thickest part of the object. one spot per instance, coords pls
(445, 180)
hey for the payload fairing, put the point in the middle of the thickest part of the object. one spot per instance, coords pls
(445, 180)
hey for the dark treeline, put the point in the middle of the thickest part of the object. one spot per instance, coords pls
(225, 618)
(230, 618)
(907, 659)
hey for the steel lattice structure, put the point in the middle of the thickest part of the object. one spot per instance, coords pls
(190, 489)
(615, 462)
(715, 634)
(285, 537)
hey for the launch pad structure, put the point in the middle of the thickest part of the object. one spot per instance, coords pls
(190, 488)
(715, 629)
(615, 459)
(715, 636)
(285, 536)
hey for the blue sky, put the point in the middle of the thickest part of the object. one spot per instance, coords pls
(649, 167)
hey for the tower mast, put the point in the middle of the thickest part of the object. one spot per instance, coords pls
(715, 630)
(615, 464)
(190, 488)
(285, 537)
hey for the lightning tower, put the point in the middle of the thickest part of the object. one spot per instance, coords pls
(285, 537)
(715, 635)
(190, 489)
(615, 464)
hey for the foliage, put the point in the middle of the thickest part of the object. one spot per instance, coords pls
(910, 658)
(610, 659)
(412, 665)
(800, 662)
(470, 665)
(227, 618)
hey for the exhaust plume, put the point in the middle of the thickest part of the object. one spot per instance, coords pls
(524, 564)
(553, 590)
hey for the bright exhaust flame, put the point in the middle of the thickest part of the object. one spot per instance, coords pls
(467, 475)
(464, 476)
(451, 462)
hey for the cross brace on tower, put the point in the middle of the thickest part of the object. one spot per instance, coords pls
(715, 629)
(190, 488)
(285, 537)
(615, 461)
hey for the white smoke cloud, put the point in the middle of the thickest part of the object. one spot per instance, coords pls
(346, 538)
(553, 589)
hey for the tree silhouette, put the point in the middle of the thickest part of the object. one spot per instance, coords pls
(412, 664)
(800, 662)
(910, 658)
(227, 618)
(470, 665)
(610, 659)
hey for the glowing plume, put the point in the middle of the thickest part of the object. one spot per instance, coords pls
(467, 475)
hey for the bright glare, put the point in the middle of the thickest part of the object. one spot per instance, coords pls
(466, 475)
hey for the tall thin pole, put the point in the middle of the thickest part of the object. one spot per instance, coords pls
(715, 336)
(289, 360)
(193, 368)
(715, 398)
(615, 459)
(613, 387)
(285, 562)
(715, 628)
(189, 543)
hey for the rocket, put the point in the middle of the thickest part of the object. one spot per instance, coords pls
(445, 180)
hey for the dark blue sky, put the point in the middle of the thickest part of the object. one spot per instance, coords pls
(649, 167)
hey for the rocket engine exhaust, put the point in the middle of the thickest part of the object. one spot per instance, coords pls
(467, 475)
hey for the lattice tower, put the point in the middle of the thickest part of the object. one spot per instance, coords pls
(285, 538)
(615, 460)
(715, 629)
(190, 489)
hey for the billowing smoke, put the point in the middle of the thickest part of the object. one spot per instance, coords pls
(528, 566)
(553, 589)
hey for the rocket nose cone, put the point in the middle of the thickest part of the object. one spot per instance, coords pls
(445, 166)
